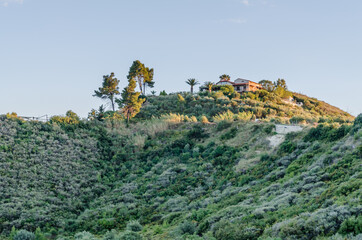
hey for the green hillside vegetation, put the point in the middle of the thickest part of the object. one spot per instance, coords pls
(173, 175)
(210, 165)
(263, 105)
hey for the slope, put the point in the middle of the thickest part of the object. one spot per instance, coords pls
(180, 180)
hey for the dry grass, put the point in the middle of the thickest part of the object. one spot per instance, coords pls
(154, 126)
(139, 140)
(204, 119)
(226, 116)
(173, 117)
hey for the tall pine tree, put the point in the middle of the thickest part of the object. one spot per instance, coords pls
(143, 75)
(109, 89)
(130, 103)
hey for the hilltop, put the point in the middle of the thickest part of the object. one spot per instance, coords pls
(262, 105)
(188, 167)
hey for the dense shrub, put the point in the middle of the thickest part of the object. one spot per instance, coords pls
(269, 128)
(129, 235)
(226, 230)
(223, 125)
(229, 134)
(93, 176)
(351, 225)
(84, 236)
(134, 226)
(326, 133)
(260, 104)
(286, 147)
(187, 227)
(69, 118)
(197, 132)
(24, 235)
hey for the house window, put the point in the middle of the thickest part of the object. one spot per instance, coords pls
(237, 88)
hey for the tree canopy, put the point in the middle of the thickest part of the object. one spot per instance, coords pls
(224, 77)
(209, 86)
(142, 74)
(192, 82)
(130, 103)
(109, 88)
(267, 85)
(281, 83)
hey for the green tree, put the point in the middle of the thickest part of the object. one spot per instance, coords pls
(69, 118)
(24, 235)
(209, 86)
(192, 82)
(109, 89)
(143, 75)
(97, 114)
(163, 93)
(150, 83)
(267, 85)
(12, 233)
(39, 235)
(281, 83)
(130, 103)
(227, 89)
(281, 88)
(224, 77)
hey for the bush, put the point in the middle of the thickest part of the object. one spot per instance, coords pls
(13, 116)
(226, 230)
(326, 133)
(84, 236)
(229, 134)
(187, 227)
(204, 119)
(286, 147)
(351, 225)
(338, 133)
(129, 235)
(111, 235)
(223, 125)
(297, 120)
(269, 128)
(70, 118)
(163, 93)
(197, 132)
(24, 235)
(226, 116)
(39, 235)
(134, 226)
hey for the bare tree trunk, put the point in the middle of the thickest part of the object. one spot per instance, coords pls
(140, 83)
(192, 90)
(127, 119)
(112, 101)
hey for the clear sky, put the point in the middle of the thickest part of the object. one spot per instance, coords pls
(53, 54)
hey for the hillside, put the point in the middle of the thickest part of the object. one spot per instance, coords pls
(174, 178)
(263, 105)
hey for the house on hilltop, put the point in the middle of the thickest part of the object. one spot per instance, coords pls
(241, 85)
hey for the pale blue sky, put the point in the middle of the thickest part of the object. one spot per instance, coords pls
(53, 54)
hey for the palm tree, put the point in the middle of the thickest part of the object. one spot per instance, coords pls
(192, 82)
(224, 77)
(209, 86)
